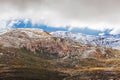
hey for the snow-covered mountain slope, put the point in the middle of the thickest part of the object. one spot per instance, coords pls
(3, 31)
(15, 37)
(106, 41)
(39, 41)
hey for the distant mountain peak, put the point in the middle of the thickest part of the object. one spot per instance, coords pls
(40, 41)
(105, 41)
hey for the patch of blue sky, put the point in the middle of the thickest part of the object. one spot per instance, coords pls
(87, 31)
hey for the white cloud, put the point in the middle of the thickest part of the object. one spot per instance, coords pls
(115, 31)
(101, 34)
(93, 14)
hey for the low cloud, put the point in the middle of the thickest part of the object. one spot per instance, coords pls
(93, 14)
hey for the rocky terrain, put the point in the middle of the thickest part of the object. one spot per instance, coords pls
(43, 42)
(34, 54)
(112, 41)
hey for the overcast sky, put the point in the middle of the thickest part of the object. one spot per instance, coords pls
(93, 14)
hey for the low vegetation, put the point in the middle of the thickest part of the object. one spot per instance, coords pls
(22, 64)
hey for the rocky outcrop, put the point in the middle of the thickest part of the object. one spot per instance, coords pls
(16, 37)
(41, 42)
(105, 41)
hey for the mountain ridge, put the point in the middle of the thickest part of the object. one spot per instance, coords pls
(30, 54)
(105, 41)
(37, 40)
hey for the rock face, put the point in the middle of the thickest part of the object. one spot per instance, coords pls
(43, 43)
(109, 41)
(32, 54)
(14, 38)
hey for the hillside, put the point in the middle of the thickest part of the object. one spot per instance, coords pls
(37, 40)
(112, 41)
(32, 54)
(19, 64)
